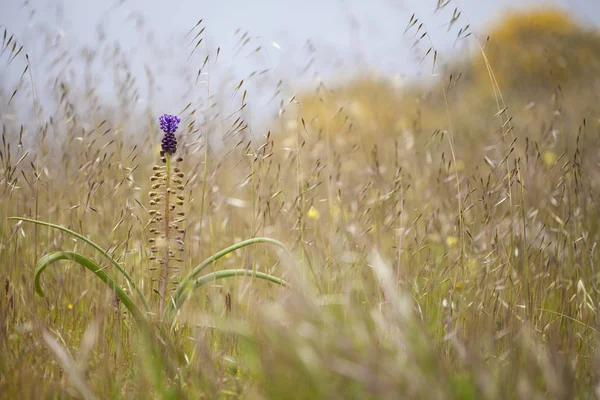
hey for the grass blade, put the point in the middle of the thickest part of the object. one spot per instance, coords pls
(69, 366)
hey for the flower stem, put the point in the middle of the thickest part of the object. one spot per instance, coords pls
(164, 279)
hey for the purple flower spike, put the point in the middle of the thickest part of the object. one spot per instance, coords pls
(169, 123)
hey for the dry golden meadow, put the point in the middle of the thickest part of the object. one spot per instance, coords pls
(431, 240)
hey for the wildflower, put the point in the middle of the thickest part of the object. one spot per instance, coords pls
(166, 245)
(169, 123)
(70, 306)
(313, 213)
(451, 241)
(550, 158)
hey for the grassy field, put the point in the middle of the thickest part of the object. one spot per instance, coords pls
(434, 241)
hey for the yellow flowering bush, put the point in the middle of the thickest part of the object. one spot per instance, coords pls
(539, 48)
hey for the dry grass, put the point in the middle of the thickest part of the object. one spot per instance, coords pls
(442, 240)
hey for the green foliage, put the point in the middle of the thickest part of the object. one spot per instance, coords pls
(191, 281)
(51, 258)
(154, 360)
(181, 294)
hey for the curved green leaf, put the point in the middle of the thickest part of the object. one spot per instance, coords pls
(95, 246)
(51, 258)
(180, 295)
(228, 273)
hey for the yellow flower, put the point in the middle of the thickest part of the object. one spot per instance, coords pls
(451, 241)
(313, 213)
(550, 158)
(70, 306)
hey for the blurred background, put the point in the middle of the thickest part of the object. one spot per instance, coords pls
(275, 46)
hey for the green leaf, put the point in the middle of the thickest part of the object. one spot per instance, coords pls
(228, 273)
(181, 294)
(51, 258)
(95, 246)
(153, 361)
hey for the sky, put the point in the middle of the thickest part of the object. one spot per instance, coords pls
(301, 42)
